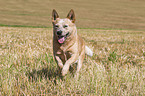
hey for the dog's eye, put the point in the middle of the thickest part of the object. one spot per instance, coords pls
(65, 26)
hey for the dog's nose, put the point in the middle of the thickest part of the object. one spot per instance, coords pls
(59, 32)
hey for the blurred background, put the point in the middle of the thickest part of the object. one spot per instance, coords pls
(111, 14)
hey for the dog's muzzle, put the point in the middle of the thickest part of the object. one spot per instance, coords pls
(59, 33)
(62, 38)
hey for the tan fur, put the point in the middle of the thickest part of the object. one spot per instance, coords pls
(73, 48)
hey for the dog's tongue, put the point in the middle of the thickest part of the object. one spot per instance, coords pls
(61, 40)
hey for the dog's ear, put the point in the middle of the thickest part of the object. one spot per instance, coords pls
(54, 15)
(71, 16)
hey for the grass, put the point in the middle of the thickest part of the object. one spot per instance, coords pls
(27, 66)
(118, 14)
(110, 28)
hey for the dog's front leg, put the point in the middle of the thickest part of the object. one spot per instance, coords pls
(67, 64)
(59, 62)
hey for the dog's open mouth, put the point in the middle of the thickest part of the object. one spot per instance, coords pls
(61, 39)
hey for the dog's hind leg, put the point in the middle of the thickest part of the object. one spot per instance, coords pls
(79, 65)
(80, 62)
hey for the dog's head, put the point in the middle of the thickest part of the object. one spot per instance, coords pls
(63, 28)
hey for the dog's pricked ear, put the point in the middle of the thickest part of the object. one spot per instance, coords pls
(54, 15)
(71, 16)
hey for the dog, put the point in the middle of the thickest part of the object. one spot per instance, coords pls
(68, 46)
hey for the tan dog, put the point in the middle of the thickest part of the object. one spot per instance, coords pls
(68, 47)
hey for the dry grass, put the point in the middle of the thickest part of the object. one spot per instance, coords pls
(117, 67)
(27, 66)
(119, 14)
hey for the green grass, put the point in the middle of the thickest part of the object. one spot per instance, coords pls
(3, 25)
(27, 66)
(118, 14)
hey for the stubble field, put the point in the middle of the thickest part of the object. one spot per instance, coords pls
(116, 14)
(113, 29)
(27, 66)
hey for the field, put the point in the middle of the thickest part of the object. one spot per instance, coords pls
(27, 66)
(114, 30)
(116, 14)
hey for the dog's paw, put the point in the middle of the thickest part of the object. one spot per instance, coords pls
(76, 76)
(65, 70)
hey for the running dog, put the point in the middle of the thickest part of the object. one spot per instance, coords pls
(68, 46)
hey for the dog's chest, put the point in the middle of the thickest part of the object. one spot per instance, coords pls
(67, 55)
(64, 55)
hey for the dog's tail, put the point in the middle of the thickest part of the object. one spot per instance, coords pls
(88, 51)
